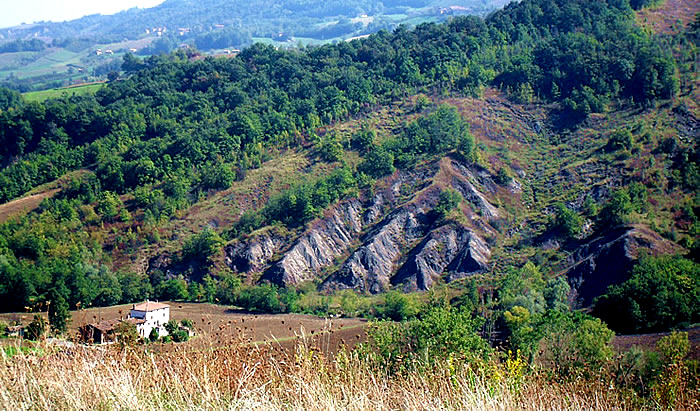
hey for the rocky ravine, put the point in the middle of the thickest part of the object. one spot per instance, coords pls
(388, 240)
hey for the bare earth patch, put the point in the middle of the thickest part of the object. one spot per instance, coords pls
(23, 205)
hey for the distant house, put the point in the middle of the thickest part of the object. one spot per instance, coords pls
(154, 315)
(104, 331)
(145, 317)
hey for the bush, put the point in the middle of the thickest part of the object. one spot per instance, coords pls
(567, 342)
(566, 221)
(440, 334)
(36, 329)
(503, 177)
(126, 334)
(617, 209)
(398, 307)
(663, 293)
(363, 139)
(153, 336)
(203, 245)
(448, 201)
(180, 336)
(620, 140)
(217, 175)
(174, 289)
(262, 298)
(377, 163)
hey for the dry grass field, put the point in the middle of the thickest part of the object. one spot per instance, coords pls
(247, 361)
(241, 377)
(23, 205)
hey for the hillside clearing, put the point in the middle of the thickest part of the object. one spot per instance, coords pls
(23, 205)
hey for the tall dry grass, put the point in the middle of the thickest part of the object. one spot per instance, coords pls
(244, 377)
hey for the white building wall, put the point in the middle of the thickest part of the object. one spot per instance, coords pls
(153, 319)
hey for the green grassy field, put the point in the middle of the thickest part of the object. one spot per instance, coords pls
(13, 61)
(58, 92)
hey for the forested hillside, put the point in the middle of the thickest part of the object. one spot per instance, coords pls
(507, 154)
(46, 55)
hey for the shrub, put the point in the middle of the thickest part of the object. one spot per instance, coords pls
(153, 336)
(620, 139)
(126, 333)
(448, 201)
(180, 336)
(503, 177)
(569, 343)
(262, 298)
(617, 209)
(441, 333)
(662, 293)
(174, 289)
(203, 245)
(36, 329)
(377, 163)
(217, 175)
(397, 307)
(566, 221)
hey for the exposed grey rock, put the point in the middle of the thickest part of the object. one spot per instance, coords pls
(253, 255)
(474, 258)
(607, 260)
(374, 211)
(319, 247)
(369, 268)
(383, 232)
(463, 184)
(450, 248)
(515, 187)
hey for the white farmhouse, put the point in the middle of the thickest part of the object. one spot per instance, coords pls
(151, 315)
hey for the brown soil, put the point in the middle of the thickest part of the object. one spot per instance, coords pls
(623, 343)
(221, 327)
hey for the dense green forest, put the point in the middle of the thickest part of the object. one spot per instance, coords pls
(175, 129)
(48, 55)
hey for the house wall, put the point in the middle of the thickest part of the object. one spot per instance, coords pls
(153, 319)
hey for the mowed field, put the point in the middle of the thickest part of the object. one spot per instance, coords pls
(79, 90)
(221, 326)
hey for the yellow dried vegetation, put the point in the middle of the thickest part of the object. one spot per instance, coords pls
(241, 376)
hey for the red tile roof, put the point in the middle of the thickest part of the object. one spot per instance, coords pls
(149, 306)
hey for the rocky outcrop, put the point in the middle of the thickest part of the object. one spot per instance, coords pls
(451, 248)
(369, 268)
(462, 181)
(168, 266)
(371, 238)
(253, 254)
(328, 239)
(607, 260)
